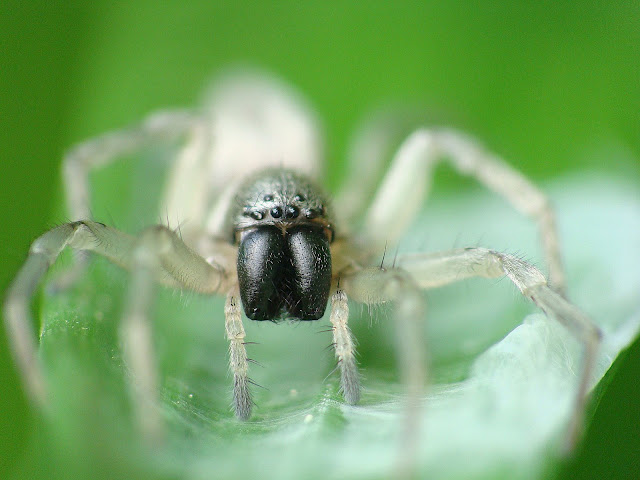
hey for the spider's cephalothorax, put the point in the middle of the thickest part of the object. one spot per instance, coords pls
(283, 231)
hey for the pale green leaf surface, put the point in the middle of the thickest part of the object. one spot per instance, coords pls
(503, 374)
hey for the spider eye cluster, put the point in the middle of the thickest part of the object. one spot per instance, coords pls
(286, 211)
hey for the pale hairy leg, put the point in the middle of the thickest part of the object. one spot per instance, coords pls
(437, 269)
(407, 182)
(81, 160)
(379, 285)
(156, 255)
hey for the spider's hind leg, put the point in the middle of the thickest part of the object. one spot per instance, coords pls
(95, 153)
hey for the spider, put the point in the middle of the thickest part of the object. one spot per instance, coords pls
(261, 232)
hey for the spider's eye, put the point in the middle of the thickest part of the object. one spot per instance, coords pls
(291, 211)
(256, 215)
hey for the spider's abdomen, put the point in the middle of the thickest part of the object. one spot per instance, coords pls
(283, 232)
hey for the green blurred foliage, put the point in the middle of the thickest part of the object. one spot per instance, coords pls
(553, 86)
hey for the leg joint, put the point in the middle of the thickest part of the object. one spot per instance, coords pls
(154, 241)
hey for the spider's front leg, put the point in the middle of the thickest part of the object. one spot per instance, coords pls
(434, 270)
(156, 255)
(163, 127)
(407, 182)
(378, 285)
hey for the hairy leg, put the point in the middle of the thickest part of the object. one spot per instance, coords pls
(433, 270)
(402, 191)
(378, 285)
(366, 163)
(157, 254)
(98, 152)
(159, 128)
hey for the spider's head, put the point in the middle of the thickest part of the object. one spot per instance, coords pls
(283, 230)
(282, 198)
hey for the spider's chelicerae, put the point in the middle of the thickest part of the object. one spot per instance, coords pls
(260, 231)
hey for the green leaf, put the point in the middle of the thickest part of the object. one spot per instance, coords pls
(503, 375)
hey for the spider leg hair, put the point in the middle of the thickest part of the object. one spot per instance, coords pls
(160, 127)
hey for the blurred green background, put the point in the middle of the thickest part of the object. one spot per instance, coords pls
(553, 86)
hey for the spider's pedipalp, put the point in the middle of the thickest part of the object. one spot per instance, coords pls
(344, 347)
(238, 361)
